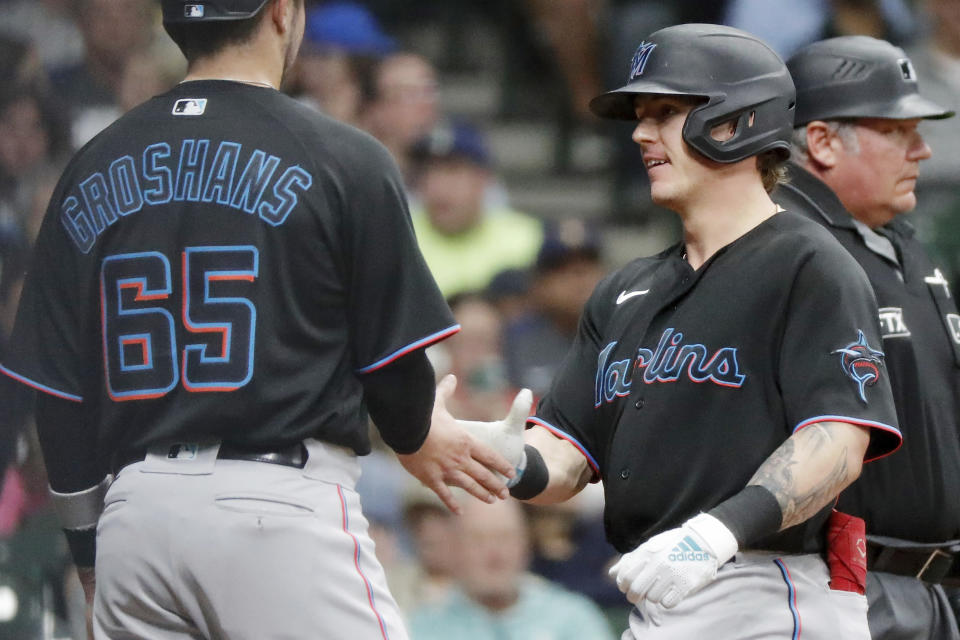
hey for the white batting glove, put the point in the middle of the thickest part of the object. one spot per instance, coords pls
(506, 436)
(671, 565)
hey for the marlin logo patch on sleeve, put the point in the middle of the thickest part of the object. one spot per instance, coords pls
(640, 58)
(861, 363)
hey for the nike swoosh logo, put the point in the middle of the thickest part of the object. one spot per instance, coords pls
(624, 296)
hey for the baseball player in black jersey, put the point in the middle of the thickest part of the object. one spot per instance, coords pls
(727, 389)
(858, 151)
(225, 284)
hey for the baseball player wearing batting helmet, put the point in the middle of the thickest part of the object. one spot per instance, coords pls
(225, 284)
(858, 153)
(727, 389)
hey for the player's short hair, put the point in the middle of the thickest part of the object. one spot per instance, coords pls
(773, 170)
(205, 38)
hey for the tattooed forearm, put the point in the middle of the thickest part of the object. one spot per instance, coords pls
(807, 472)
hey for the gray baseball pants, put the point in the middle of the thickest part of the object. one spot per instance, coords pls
(758, 596)
(224, 549)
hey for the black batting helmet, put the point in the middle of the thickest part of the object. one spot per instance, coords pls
(738, 75)
(207, 10)
(858, 77)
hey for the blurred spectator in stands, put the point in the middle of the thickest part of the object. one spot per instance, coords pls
(21, 62)
(148, 73)
(570, 548)
(113, 30)
(34, 561)
(495, 597)
(936, 59)
(49, 25)
(34, 137)
(891, 20)
(474, 355)
(430, 526)
(14, 249)
(509, 292)
(465, 240)
(568, 266)
(14, 399)
(812, 20)
(341, 45)
(570, 27)
(402, 105)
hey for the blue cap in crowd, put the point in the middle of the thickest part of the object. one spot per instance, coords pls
(348, 26)
(566, 239)
(453, 139)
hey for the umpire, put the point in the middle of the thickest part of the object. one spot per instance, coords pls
(857, 151)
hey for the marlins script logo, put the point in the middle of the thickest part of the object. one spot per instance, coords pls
(862, 363)
(640, 59)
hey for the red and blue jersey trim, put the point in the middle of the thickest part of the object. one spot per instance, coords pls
(419, 344)
(859, 422)
(566, 436)
(40, 387)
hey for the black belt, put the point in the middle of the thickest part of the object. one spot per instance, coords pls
(930, 562)
(294, 455)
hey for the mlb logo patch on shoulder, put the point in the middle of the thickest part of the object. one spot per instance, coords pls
(193, 11)
(190, 107)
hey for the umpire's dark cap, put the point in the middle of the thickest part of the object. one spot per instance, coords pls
(209, 10)
(858, 77)
(453, 140)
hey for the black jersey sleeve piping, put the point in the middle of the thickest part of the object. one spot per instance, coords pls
(33, 384)
(413, 346)
(566, 436)
(879, 447)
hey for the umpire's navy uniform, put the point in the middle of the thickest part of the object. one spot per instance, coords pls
(908, 500)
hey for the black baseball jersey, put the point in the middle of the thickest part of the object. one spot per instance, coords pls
(223, 239)
(681, 383)
(912, 495)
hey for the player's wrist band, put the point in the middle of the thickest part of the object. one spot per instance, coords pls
(751, 515)
(533, 479)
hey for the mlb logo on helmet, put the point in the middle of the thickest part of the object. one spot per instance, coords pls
(193, 11)
(190, 107)
(906, 68)
(640, 59)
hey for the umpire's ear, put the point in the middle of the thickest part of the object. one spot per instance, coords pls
(824, 144)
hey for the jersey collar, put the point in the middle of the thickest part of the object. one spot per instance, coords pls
(818, 196)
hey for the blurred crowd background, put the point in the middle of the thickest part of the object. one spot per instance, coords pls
(521, 201)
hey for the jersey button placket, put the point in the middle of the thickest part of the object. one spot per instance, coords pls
(624, 474)
(638, 404)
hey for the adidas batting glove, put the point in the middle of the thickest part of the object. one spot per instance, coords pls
(673, 564)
